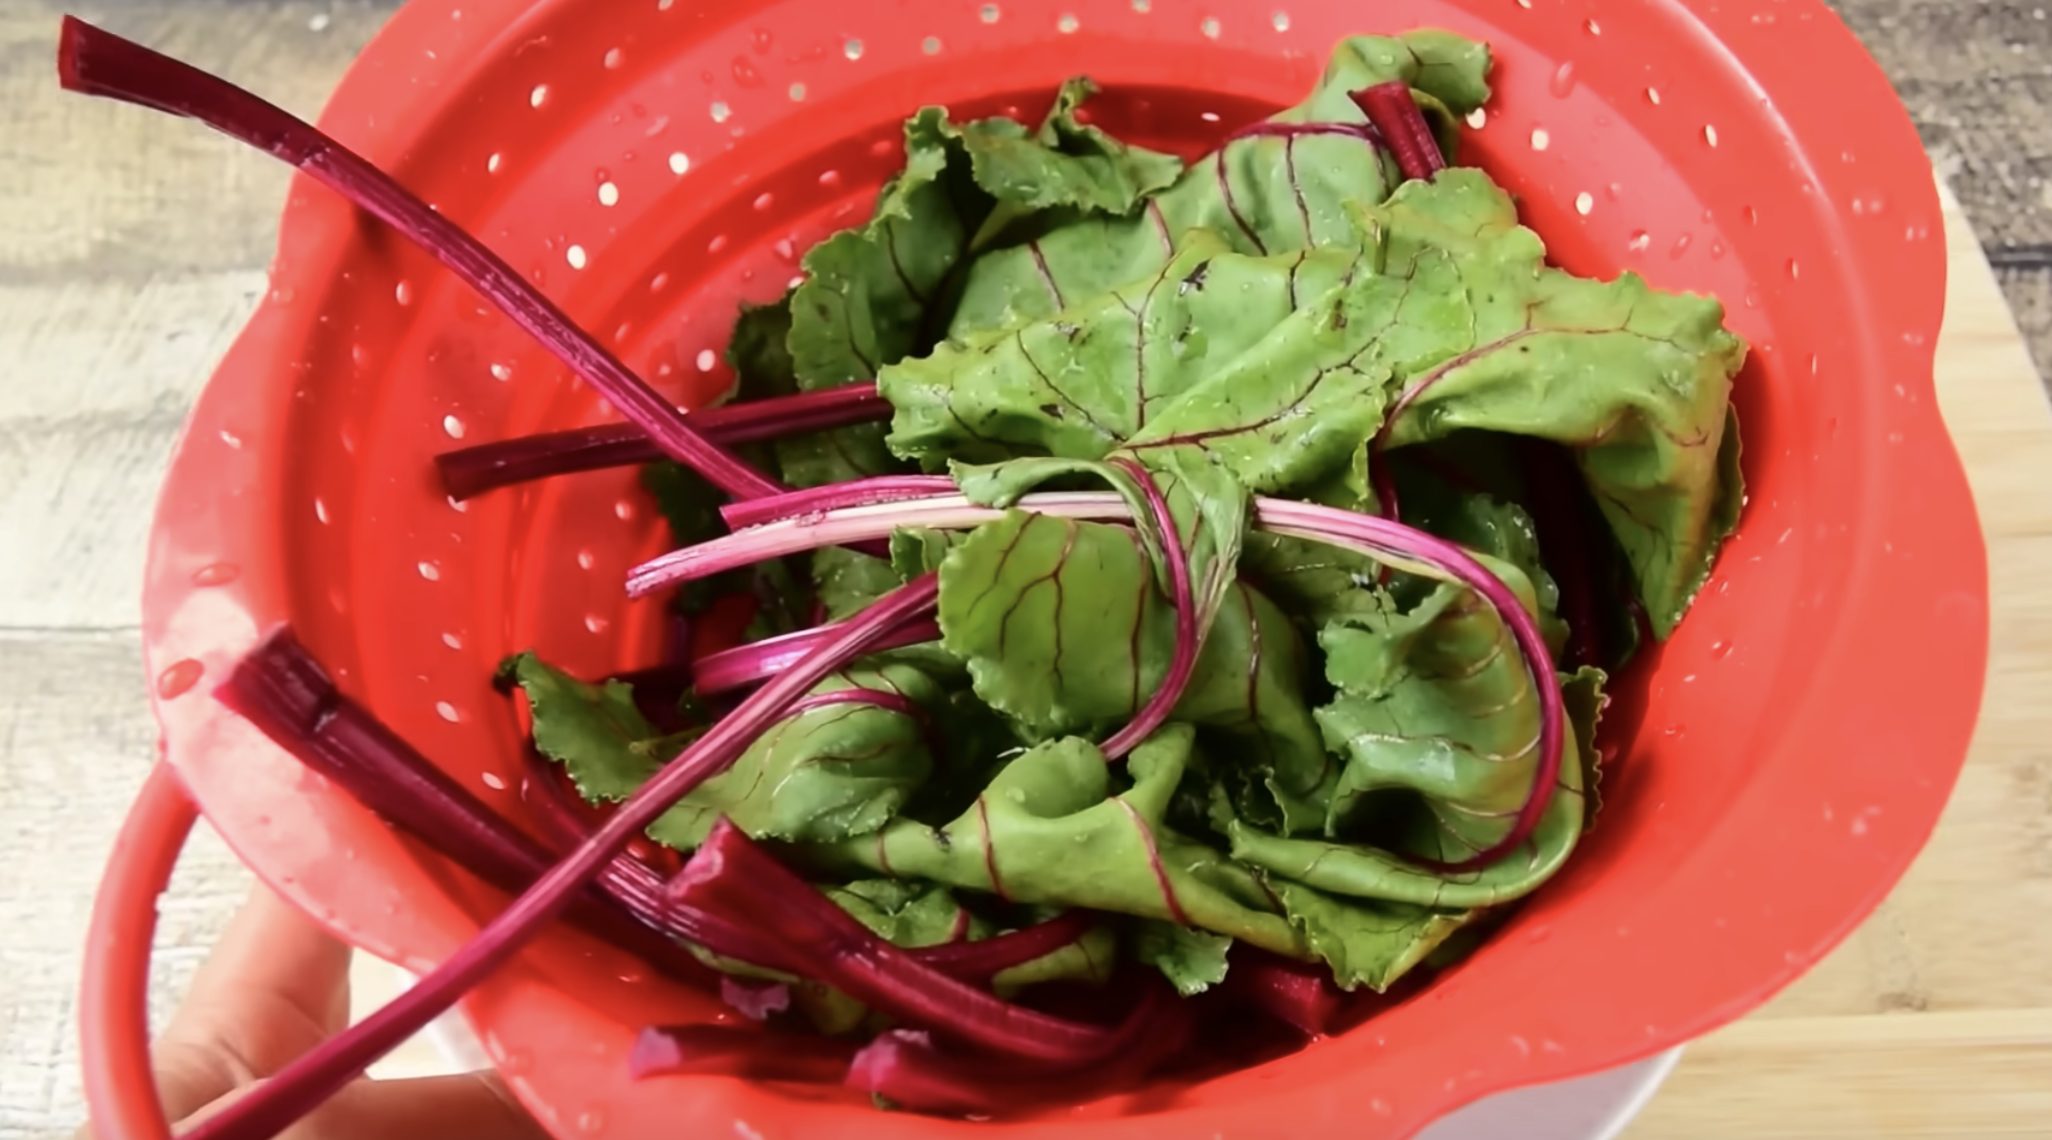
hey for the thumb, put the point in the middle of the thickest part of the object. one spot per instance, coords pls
(467, 1106)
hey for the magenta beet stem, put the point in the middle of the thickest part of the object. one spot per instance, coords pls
(471, 471)
(745, 665)
(1394, 111)
(96, 62)
(731, 876)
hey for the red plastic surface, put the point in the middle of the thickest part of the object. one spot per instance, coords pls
(651, 161)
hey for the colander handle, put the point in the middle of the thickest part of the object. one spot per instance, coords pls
(113, 1014)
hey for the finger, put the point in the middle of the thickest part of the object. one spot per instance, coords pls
(274, 986)
(468, 1106)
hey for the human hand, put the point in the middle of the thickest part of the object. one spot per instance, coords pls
(275, 986)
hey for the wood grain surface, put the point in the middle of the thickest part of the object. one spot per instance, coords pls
(132, 250)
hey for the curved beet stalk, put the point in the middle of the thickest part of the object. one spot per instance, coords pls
(733, 1051)
(95, 62)
(907, 1068)
(1184, 662)
(1394, 111)
(304, 1083)
(472, 471)
(733, 877)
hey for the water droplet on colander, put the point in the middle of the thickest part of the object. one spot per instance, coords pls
(453, 641)
(539, 95)
(453, 426)
(1752, 298)
(1563, 82)
(1681, 245)
(1209, 116)
(596, 624)
(719, 111)
(1614, 191)
(1719, 650)
(492, 162)
(1067, 23)
(493, 780)
(764, 200)
(1592, 27)
(1377, 1105)
(989, 13)
(608, 194)
(1540, 139)
(1710, 133)
(502, 372)
(216, 574)
(586, 559)
(179, 678)
(1478, 118)
(1913, 339)
(231, 439)
(632, 976)
(707, 359)
(1870, 205)
(403, 292)
(1640, 240)
(282, 295)
(575, 256)
(1716, 249)
(797, 92)
(745, 73)
(430, 571)
(718, 243)
(447, 712)
(1674, 731)
(458, 505)
(1280, 21)
(614, 58)
(623, 510)
(591, 1121)
(931, 45)
(320, 509)
(852, 49)
(1143, 6)
(1584, 202)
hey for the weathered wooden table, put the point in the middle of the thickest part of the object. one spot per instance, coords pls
(132, 248)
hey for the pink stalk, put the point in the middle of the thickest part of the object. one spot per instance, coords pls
(881, 489)
(745, 665)
(318, 1074)
(96, 62)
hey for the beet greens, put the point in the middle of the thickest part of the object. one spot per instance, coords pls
(1087, 665)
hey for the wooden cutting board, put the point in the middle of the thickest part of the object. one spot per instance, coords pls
(1935, 1018)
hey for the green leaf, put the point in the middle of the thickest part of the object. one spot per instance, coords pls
(1409, 741)
(1091, 958)
(850, 580)
(1065, 629)
(1048, 830)
(1367, 942)
(908, 914)
(596, 733)
(1486, 524)
(1636, 382)
(1192, 960)
(830, 773)
(1066, 163)
(1263, 194)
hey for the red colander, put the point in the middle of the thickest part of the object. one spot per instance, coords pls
(651, 162)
